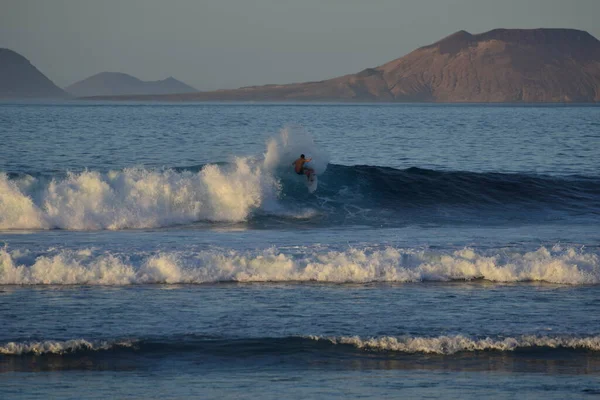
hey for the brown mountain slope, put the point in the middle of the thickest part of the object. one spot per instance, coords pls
(541, 65)
(502, 65)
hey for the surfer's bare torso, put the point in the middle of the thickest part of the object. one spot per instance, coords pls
(299, 165)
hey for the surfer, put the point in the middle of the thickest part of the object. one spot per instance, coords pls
(300, 169)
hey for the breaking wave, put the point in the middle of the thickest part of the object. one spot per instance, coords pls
(262, 189)
(61, 347)
(443, 345)
(456, 344)
(92, 267)
(134, 198)
(245, 191)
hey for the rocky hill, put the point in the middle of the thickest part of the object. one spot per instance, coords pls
(502, 65)
(19, 79)
(116, 84)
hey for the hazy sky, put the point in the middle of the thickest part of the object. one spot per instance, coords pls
(213, 44)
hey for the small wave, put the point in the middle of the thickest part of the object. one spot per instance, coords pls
(443, 345)
(61, 347)
(456, 344)
(91, 267)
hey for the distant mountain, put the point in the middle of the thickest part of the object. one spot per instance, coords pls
(20, 79)
(502, 65)
(116, 84)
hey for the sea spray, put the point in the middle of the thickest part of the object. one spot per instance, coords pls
(288, 145)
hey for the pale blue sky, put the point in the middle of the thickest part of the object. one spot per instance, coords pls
(231, 43)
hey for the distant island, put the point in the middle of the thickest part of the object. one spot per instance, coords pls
(19, 79)
(117, 84)
(502, 65)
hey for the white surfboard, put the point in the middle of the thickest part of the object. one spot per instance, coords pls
(311, 184)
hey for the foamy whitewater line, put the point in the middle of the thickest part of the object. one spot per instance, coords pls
(93, 267)
(457, 344)
(136, 198)
(61, 347)
(446, 345)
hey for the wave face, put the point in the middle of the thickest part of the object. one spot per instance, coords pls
(443, 345)
(415, 187)
(92, 267)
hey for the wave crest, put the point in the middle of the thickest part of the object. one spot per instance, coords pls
(442, 345)
(455, 344)
(61, 347)
(135, 198)
(69, 267)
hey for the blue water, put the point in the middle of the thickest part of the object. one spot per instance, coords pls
(168, 251)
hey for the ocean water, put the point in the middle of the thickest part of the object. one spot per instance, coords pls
(169, 251)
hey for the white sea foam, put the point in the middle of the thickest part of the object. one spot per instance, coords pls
(136, 198)
(17, 209)
(286, 147)
(88, 266)
(457, 344)
(60, 347)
